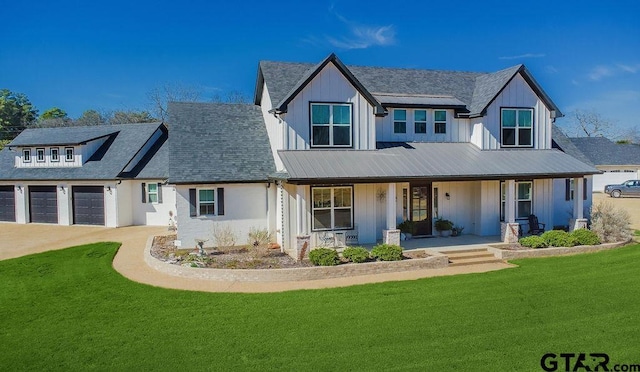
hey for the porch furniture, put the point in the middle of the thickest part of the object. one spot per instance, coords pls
(535, 227)
(351, 236)
(326, 239)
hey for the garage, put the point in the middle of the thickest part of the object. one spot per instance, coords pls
(43, 204)
(7, 204)
(88, 205)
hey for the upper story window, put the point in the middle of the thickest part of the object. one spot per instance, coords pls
(54, 155)
(420, 121)
(331, 125)
(26, 156)
(399, 121)
(40, 155)
(440, 121)
(516, 127)
(68, 151)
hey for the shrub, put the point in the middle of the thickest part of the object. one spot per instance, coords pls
(609, 223)
(355, 254)
(559, 238)
(533, 241)
(258, 237)
(407, 227)
(585, 237)
(324, 257)
(224, 236)
(386, 252)
(443, 225)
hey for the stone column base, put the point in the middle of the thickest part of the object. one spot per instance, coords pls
(577, 223)
(303, 246)
(391, 237)
(510, 232)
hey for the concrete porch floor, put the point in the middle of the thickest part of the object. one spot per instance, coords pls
(452, 243)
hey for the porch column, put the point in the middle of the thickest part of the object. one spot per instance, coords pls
(391, 235)
(303, 240)
(578, 221)
(510, 229)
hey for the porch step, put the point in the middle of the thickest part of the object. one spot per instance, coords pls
(471, 257)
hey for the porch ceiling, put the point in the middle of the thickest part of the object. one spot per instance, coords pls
(402, 161)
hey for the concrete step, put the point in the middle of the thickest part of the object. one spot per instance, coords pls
(462, 251)
(470, 255)
(474, 261)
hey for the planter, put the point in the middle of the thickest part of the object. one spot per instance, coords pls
(445, 233)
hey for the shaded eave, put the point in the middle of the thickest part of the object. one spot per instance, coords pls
(526, 75)
(83, 142)
(217, 182)
(282, 107)
(162, 127)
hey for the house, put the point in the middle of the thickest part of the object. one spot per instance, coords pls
(108, 175)
(331, 152)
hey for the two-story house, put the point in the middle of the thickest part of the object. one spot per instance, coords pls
(331, 149)
(107, 175)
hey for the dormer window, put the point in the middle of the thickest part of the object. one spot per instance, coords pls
(331, 125)
(516, 127)
(40, 155)
(440, 121)
(54, 155)
(26, 156)
(68, 154)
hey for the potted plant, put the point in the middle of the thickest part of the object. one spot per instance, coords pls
(443, 226)
(457, 230)
(408, 228)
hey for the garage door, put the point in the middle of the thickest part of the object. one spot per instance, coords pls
(7, 204)
(43, 204)
(88, 205)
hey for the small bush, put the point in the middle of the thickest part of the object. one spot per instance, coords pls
(386, 252)
(355, 254)
(324, 257)
(609, 223)
(443, 225)
(258, 237)
(407, 227)
(585, 237)
(533, 241)
(224, 236)
(559, 238)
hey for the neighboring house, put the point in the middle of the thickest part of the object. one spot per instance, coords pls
(356, 150)
(109, 175)
(618, 162)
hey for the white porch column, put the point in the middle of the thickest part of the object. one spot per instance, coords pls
(301, 227)
(391, 235)
(510, 229)
(578, 221)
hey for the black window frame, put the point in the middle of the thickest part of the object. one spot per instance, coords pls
(516, 128)
(331, 124)
(57, 151)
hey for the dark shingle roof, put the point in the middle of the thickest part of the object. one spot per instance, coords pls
(124, 141)
(218, 142)
(62, 135)
(602, 151)
(446, 161)
(563, 143)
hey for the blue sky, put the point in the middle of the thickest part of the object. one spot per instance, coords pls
(108, 55)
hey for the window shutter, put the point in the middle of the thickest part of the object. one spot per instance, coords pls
(193, 208)
(144, 192)
(159, 193)
(220, 201)
(567, 189)
(584, 189)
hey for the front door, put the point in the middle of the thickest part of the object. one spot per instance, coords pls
(421, 208)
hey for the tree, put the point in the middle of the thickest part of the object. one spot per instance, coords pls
(91, 117)
(172, 92)
(128, 117)
(53, 117)
(233, 96)
(589, 123)
(16, 113)
(53, 113)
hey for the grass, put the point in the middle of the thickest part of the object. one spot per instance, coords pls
(69, 310)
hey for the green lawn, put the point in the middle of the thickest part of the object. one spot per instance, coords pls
(69, 310)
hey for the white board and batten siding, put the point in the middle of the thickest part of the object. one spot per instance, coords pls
(274, 127)
(517, 94)
(328, 86)
(458, 130)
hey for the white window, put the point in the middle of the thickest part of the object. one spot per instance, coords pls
(332, 208)
(420, 121)
(54, 154)
(40, 155)
(516, 127)
(152, 192)
(399, 121)
(524, 199)
(330, 125)
(440, 121)
(206, 202)
(68, 154)
(26, 156)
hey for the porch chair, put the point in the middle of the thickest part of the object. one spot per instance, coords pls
(535, 227)
(326, 239)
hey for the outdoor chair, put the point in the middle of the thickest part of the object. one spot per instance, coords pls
(535, 227)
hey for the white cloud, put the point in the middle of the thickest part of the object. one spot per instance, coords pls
(629, 68)
(523, 56)
(603, 71)
(550, 69)
(617, 106)
(600, 72)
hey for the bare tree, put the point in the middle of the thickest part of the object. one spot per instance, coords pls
(233, 96)
(161, 95)
(590, 123)
(631, 135)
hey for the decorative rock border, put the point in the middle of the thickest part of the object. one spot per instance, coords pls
(506, 254)
(436, 260)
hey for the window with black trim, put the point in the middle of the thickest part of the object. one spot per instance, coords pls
(152, 192)
(569, 189)
(331, 125)
(332, 208)
(399, 121)
(54, 154)
(516, 126)
(420, 121)
(440, 122)
(206, 202)
(40, 155)
(68, 154)
(524, 199)
(26, 156)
